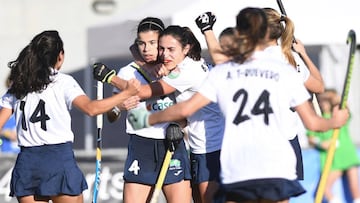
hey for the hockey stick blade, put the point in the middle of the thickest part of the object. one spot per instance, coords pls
(98, 167)
(351, 39)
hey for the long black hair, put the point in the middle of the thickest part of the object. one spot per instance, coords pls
(32, 69)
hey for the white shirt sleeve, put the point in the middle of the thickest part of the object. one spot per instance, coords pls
(72, 90)
(301, 67)
(7, 101)
(208, 89)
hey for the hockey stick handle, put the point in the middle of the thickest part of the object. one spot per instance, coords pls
(281, 7)
(99, 96)
(283, 12)
(314, 100)
(316, 105)
(328, 162)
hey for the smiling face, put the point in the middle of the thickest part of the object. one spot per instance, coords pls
(171, 51)
(147, 43)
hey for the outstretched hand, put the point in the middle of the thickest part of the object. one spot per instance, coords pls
(130, 103)
(102, 73)
(139, 118)
(205, 21)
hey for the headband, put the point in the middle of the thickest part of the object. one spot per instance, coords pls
(152, 23)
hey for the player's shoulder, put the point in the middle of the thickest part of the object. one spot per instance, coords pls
(63, 77)
(272, 60)
(64, 81)
(273, 49)
(220, 71)
(128, 69)
(193, 65)
(223, 67)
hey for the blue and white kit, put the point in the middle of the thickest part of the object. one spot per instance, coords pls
(258, 92)
(206, 126)
(147, 147)
(43, 118)
(46, 164)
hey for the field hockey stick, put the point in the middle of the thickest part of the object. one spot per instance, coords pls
(316, 105)
(331, 151)
(283, 12)
(99, 125)
(161, 178)
(174, 134)
(281, 7)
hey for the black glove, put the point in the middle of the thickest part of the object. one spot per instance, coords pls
(205, 21)
(103, 73)
(174, 135)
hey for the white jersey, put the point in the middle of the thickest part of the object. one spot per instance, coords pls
(255, 98)
(43, 118)
(206, 126)
(153, 104)
(294, 122)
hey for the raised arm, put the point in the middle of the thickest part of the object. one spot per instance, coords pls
(315, 81)
(205, 22)
(314, 122)
(141, 118)
(95, 107)
(104, 74)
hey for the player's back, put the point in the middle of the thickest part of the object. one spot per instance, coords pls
(253, 96)
(43, 117)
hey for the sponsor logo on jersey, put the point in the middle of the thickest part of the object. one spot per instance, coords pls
(174, 73)
(159, 106)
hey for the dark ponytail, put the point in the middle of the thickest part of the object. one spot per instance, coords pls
(251, 27)
(31, 71)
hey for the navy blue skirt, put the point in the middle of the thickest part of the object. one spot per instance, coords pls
(274, 189)
(205, 167)
(145, 158)
(47, 170)
(299, 161)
